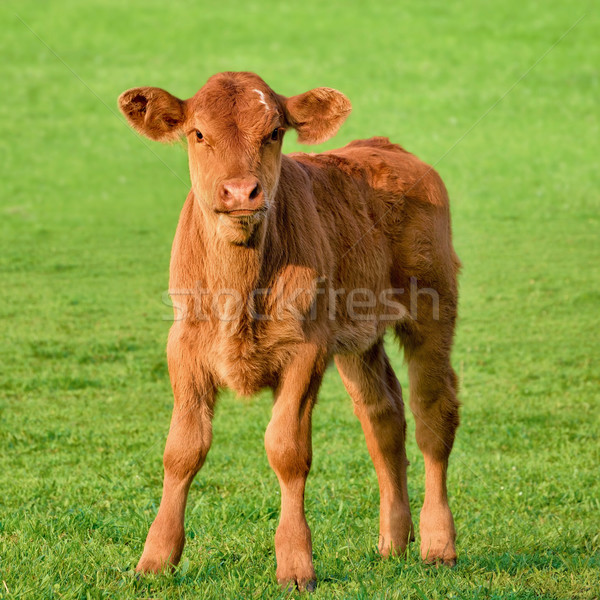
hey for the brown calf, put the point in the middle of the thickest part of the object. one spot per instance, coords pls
(282, 262)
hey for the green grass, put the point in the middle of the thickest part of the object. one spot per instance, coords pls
(88, 211)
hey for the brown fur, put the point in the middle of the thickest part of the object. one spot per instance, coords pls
(294, 237)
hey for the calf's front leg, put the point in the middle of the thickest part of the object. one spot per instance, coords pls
(289, 449)
(187, 445)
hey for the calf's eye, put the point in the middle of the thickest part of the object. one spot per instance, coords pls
(275, 134)
(199, 135)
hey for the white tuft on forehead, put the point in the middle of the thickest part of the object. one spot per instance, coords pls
(263, 99)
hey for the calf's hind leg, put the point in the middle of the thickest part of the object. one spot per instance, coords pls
(377, 397)
(433, 386)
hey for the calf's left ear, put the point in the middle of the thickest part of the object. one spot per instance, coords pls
(153, 112)
(318, 114)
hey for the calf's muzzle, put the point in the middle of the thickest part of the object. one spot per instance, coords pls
(240, 196)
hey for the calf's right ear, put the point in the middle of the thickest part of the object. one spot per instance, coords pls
(153, 112)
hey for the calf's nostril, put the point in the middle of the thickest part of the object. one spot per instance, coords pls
(255, 191)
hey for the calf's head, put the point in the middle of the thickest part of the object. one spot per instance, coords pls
(234, 126)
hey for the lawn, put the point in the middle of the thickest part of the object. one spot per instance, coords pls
(501, 97)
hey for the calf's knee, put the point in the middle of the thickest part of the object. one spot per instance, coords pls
(184, 457)
(287, 455)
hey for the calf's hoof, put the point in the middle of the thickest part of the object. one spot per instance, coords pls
(158, 561)
(293, 551)
(153, 565)
(394, 542)
(297, 574)
(438, 550)
(387, 550)
(162, 550)
(291, 585)
(446, 559)
(437, 536)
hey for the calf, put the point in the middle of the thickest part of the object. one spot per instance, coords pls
(281, 263)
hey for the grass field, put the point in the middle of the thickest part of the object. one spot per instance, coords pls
(501, 97)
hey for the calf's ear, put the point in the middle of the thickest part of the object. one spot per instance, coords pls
(153, 112)
(318, 114)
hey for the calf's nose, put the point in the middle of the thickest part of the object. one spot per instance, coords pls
(242, 194)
